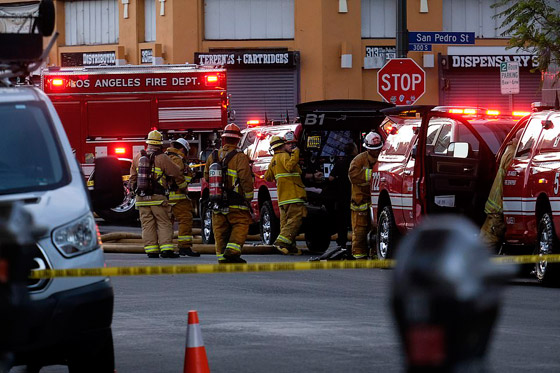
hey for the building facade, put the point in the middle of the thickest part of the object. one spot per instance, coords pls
(282, 52)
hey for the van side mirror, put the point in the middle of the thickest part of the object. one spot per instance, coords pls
(459, 149)
(108, 190)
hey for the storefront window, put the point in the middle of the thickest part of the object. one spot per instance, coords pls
(241, 19)
(379, 18)
(473, 16)
(91, 22)
(150, 20)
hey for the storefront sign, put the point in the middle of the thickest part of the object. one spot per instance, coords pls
(509, 78)
(146, 56)
(89, 59)
(377, 56)
(248, 59)
(526, 61)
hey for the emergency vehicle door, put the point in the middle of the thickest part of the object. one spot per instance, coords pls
(519, 206)
(457, 183)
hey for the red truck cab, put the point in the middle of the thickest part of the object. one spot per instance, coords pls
(434, 160)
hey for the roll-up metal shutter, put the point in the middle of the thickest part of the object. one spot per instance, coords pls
(263, 93)
(481, 87)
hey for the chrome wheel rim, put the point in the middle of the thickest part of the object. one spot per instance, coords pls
(128, 202)
(544, 249)
(207, 224)
(384, 237)
(266, 228)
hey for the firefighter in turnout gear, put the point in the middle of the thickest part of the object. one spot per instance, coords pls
(360, 177)
(284, 169)
(181, 204)
(494, 227)
(151, 185)
(231, 216)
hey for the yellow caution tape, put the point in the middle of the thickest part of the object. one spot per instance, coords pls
(257, 267)
(210, 268)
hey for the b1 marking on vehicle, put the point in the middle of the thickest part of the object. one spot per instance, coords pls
(512, 173)
(375, 180)
(510, 182)
(312, 119)
(510, 220)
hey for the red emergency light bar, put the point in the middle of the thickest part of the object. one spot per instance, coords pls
(120, 150)
(253, 122)
(520, 113)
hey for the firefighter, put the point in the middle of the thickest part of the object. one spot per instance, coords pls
(494, 227)
(284, 169)
(149, 176)
(360, 176)
(181, 204)
(231, 217)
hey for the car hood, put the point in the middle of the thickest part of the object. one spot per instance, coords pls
(53, 208)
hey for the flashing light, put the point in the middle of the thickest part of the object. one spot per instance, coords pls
(211, 79)
(543, 181)
(120, 150)
(520, 113)
(470, 111)
(253, 122)
(57, 82)
(388, 128)
(493, 112)
(456, 111)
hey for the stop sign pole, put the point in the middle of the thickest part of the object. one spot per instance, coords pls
(401, 81)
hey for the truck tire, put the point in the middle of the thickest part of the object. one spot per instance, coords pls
(317, 240)
(206, 224)
(269, 224)
(547, 243)
(386, 234)
(123, 213)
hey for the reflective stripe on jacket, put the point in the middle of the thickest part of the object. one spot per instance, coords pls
(177, 157)
(359, 174)
(239, 173)
(284, 169)
(164, 169)
(495, 204)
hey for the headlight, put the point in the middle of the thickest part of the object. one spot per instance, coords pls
(77, 237)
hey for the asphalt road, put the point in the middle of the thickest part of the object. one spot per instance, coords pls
(314, 321)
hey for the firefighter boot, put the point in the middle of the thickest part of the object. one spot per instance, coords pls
(169, 254)
(187, 251)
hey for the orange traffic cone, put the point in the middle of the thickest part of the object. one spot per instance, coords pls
(195, 353)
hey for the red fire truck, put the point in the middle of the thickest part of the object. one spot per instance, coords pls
(435, 160)
(109, 111)
(531, 197)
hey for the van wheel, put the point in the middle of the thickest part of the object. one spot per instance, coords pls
(125, 212)
(206, 224)
(386, 234)
(547, 273)
(269, 224)
(317, 241)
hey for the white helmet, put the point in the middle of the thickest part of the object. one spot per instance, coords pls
(373, 141)
(184, 143)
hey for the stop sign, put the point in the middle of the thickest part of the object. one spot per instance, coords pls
(401, 81)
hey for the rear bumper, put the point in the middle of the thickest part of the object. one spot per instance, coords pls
(64, 321)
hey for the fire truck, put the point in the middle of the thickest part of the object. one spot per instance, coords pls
(108, 110)
(435, 160)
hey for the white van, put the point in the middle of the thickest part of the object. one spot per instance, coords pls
(71, 317)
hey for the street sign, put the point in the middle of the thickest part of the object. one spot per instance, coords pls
(401, 81)
(419, 47)
(439, 37)
(509, 78)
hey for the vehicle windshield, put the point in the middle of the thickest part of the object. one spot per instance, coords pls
(30, 156)
(493, 133)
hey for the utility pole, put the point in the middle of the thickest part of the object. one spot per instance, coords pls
(402, 31)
